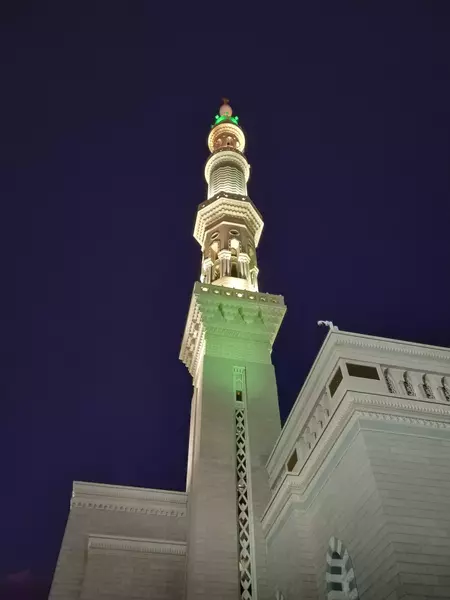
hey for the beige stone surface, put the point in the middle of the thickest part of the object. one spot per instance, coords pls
(116, 511)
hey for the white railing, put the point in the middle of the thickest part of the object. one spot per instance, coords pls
(415, 385)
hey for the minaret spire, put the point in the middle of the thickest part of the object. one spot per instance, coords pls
(226, 104)
(228, 226)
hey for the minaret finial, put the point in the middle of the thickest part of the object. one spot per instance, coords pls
(225, 109)
(329, 324)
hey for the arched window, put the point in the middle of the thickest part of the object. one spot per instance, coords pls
(213, 251)
(427, 389)
(389, 381)
(409, 388)
(340, 576)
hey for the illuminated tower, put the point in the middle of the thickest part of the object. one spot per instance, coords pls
(227, 348)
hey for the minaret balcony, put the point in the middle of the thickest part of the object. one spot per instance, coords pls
(225, 206)
(235, 283)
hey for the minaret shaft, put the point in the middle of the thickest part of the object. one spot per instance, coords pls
(234, 417)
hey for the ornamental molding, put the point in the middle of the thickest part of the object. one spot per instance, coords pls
(128, 499)
(402, 419)
(228, 313)
(227, 206)
(349, 346)
(354, 413)
(224, 253)
(128, 507)
(228, 157)
(193, 343)
(386, 345)
(399, 403)
(129, 544)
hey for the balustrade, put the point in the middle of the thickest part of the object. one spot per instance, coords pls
(414, 385)
(417, 385)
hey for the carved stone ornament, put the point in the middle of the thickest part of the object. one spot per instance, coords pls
(230, 313)
(129, 544)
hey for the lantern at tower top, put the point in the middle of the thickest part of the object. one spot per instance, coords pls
(225, 131)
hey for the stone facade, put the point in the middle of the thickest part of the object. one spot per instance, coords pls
(121, 542)
(372, 472)
(351, 499)
(235, 426)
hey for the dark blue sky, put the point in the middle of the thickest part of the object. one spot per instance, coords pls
(105, 111)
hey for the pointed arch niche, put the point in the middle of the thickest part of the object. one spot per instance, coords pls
(340, 576)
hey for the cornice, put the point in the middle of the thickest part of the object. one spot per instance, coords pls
(128, 499)
(354, 408)
(386, 345)
(381, 350)
(226, 205)
(232, 313)
(130, 544)
(193, 343)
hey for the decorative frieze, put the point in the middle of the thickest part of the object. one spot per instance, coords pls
(228, 313)
(230, 207)
(130, 544)
(128, 499)
(354, 409)
(307, 417)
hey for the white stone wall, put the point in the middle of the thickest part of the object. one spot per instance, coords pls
(212, 545)
(411, 467)
(292, 567)
(118, 516)
(349, 507)
(372, 472)
(138, 569)
(386, 494)
(264, 426)
(213, 521)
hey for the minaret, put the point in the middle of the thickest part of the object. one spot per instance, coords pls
(227, 347)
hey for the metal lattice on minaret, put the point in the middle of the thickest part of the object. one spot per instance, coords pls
(245, 538)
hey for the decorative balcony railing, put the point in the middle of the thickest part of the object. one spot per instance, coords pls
(417, 384)
(361, 377)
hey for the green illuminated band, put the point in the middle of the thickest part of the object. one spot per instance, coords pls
(220, 119)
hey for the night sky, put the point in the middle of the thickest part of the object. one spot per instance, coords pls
(106, 107)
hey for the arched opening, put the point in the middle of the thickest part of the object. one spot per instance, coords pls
(234, 246)
(213, 255)
(340, 576)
